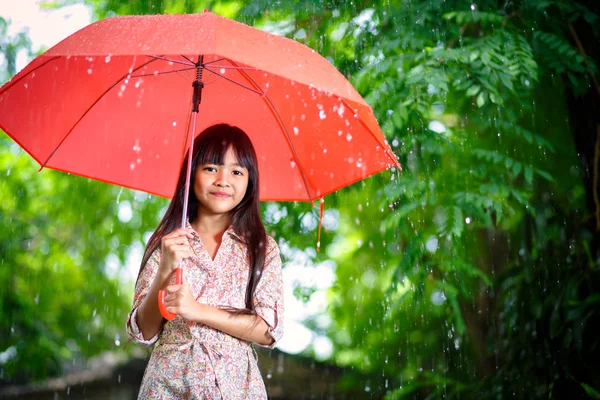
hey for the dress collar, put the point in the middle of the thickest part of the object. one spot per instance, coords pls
(229, 231)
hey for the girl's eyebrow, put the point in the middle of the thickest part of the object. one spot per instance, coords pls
(238, 165)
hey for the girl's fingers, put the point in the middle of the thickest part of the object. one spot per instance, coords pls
(173, 288)
(179, 233)
(175, 241)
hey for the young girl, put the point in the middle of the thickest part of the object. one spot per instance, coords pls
(232, 291)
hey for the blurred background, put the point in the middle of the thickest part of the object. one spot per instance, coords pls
(472, 273)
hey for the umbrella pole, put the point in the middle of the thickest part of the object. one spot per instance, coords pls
(198, 85)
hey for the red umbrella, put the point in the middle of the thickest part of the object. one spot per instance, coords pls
(113, 102)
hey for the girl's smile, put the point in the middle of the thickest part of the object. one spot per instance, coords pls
(220, 188)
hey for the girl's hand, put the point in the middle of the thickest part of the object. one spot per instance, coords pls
(174, 247)
(180, 300)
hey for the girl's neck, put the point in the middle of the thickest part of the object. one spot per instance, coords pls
(212, 224)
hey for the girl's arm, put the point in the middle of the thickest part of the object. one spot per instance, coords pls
(251, 328)
(264, 328)
(149, 318)
(174, 248)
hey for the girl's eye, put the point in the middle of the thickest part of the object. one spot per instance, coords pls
(240, 173)
(210, 169)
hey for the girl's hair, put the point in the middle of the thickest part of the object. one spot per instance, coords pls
(210, 148)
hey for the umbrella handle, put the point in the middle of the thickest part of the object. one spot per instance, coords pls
(163, 293)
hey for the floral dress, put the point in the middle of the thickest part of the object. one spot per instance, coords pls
(195, 361)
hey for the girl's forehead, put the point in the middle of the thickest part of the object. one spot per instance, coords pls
(230, 156)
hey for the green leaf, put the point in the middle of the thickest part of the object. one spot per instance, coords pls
(593, 393)
(473, 90)
(481, 99)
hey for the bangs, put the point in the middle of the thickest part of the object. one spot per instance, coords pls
(215, 146)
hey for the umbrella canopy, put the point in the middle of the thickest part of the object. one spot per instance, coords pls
(112, 102)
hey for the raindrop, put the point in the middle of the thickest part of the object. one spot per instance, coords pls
(222, 71)
(473, 7)
(438, 298)
(296, 131)
(322, 114)
(303, 117)
(300, 34)
(89, 71)
(132, 166)
(437, 127)
(293, 164)
(432, 244)
(174, 123)
(349, 137)
(107, 58)
(467, 220)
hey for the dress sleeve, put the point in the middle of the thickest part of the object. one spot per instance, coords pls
(141, 289)
(268, 298)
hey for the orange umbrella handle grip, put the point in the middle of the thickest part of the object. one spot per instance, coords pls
(163, 293)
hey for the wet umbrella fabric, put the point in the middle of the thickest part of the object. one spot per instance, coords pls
(112, 102)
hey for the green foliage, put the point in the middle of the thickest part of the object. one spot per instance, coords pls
(469, 274)
(469, 102)
(60, 302)
(9, 47)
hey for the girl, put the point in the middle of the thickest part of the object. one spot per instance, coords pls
(232, 293)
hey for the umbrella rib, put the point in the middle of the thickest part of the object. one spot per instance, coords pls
(387, 150)
(206, 64)
(88, 110)
(237, 83)
(188, 59)
(287, 135)
(173, 61)
(164, 72)
(11, 84)
(228, 67)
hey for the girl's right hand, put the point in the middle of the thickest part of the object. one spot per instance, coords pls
(174, 247)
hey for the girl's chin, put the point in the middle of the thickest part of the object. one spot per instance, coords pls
(216, 208)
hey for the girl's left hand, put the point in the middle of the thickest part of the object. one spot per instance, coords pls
(181, 301)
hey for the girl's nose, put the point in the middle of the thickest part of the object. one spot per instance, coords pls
(222, 179)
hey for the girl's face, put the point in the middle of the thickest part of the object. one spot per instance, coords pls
(220, 188)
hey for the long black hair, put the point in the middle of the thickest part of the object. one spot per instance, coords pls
(210, 148)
